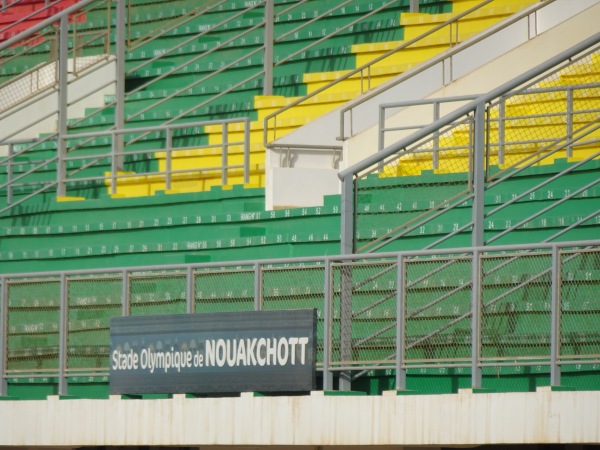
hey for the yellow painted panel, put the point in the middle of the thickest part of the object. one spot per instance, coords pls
(69, 199)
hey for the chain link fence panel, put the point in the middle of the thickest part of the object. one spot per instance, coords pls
(437, 310)
(33, 326)
(160, 292)
(516, 304)
(416, 194)
(557, 116)
(296, 287)
(224, 289)
(92, 301)
(364, 313)
(580, 317)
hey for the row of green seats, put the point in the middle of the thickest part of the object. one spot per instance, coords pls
(66, 234)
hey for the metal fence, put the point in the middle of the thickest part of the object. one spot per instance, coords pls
(94, 159)
(472, 309)
(467, 160)
(31, 65)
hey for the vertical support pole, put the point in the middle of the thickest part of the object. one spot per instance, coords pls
(120, 43)
(347, 247)
(345, 382)
(169, 159)
(436, 136)
(556, 281)
(414, 6)
(190, 290)
(400, 324)
(125, 303)
(269, 43)
(63, 336)
(113, 163)
(477, 237)
(63, 84)
(9, 174)
(246, 150)
(3, 335)
(347, 216)
(381, 134)
(224, 153)
(476, 319)
(327, 328)
(569, 123)
(257, 287)
(501, 129)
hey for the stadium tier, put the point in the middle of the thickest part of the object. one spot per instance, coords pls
(195, 64)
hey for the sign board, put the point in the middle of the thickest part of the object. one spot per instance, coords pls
(262, 351)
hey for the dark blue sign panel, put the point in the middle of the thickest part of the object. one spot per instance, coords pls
(262, 351)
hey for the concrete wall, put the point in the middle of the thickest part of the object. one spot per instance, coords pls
(313, 420)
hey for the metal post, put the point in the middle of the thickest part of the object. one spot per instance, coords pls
(476, 319)
(3, 336)
(120, 43)
(347, 216)
(257, 287)
(269, 43)
(63, 83)
(246, 150)
(414, 6)
(327, 327)
(501, 128)
(477, 237)
(381, 134)
(555, 281)
(125, 304)
(169, 159)
(569, 123)
(345, 381)
(63, 336)
(347, 247)
(436, 136)
(9, 174)
(400, 325)
(113, 163)
(190, 292)
(224, 153)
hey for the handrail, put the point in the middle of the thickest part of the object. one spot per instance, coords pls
(367, 66)
(526, 83)
(259, 73)
(400, 338)
(471, 106)
(436, 60)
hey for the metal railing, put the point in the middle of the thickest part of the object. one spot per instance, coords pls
(464, 309)
(41, 44)
(364, 71)
(486, 143)
(96, 159)
(447, 55)
(260, 30)
(265, 49)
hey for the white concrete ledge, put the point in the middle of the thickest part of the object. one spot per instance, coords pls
(311, 420)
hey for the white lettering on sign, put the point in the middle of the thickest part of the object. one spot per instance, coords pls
(217, 353)
(256, 351)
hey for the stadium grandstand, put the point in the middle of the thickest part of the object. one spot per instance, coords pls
(300, 223)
